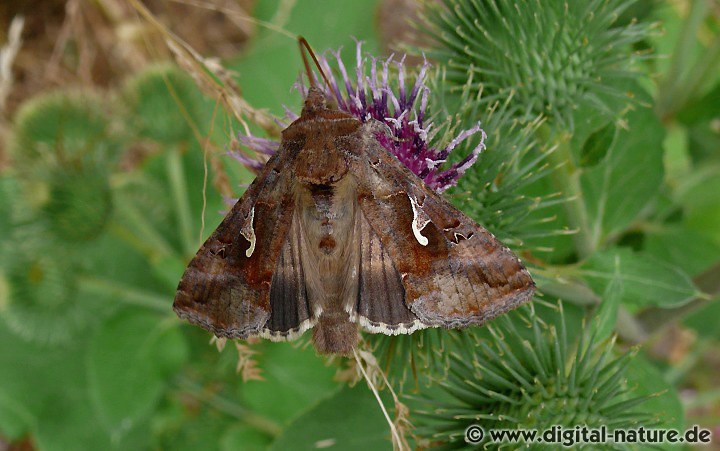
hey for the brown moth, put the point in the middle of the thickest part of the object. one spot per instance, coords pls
(336, 234)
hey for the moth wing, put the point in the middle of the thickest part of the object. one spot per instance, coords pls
(380, 306)
(226, 286)
(454, 272)
(290, 312)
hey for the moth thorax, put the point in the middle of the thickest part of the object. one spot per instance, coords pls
(334, 333)
(328, 216)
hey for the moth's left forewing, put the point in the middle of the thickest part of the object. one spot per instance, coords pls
(454, 272)
(226, 286)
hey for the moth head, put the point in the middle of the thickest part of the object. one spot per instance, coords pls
(314, 102)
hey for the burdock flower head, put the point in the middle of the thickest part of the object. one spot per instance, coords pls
(404, 111)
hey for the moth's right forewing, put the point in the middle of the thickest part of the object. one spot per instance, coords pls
(226, 286)
(454, 272)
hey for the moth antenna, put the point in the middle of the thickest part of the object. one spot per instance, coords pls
(305, 49)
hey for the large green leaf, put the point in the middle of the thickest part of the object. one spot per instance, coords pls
(43, 392)
(245, 438)
(704, 320)
(128, 363)
(204, 428)
(702, 203)
(23, 387)
(272, 63)
(295, 378)
(69, 423)
(665, 403)
(619, 187)
(705, 108)
(349, 420)
(607, 312)
(680, 246)
(645, 280)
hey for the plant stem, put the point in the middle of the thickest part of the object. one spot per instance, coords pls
(151, 242)
(176, 175)
(562, 282)
(566, 178)
(125, 293)
(705, 67)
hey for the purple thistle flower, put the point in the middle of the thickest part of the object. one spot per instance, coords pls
(404, 112)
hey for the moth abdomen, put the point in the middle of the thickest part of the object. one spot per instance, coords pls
(334, 333)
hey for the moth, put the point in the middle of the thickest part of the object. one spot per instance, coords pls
(337, 235)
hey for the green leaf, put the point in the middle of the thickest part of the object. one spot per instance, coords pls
(702, 204)
(21, 386)
(677, 158)
(70, 423)
(272, 64)
(128, 266)
(622, 185)
(15, 419)
(693, 250)
(646, 280)
(665, 402)
(704, 141)
(295, 378)
(178, 428)
(349, 420)
(43, 392)
(245, 438)
(128, 363)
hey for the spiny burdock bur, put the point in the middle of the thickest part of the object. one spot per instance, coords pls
(530, 374)
(63, 128)
(64, 147)
(38, 288)
(162, 104)
(57, 198)
(550, 57)
(79, 203)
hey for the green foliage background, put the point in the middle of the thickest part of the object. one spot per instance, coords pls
(614, 203)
